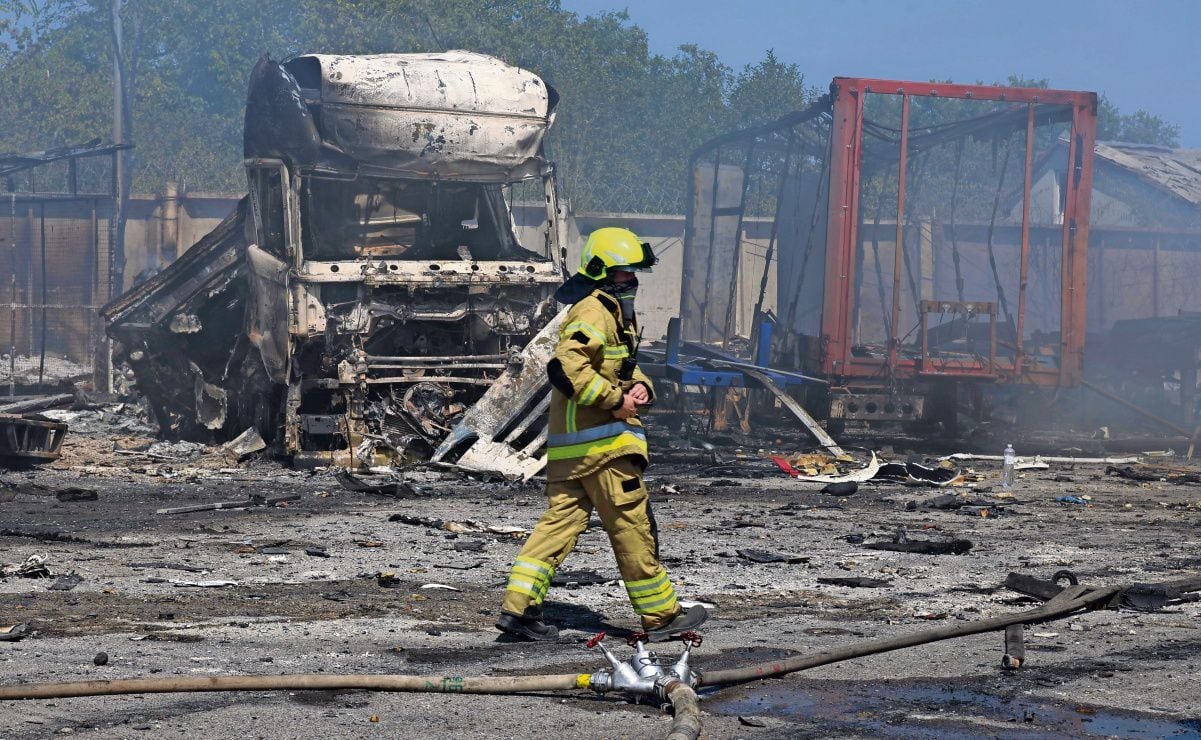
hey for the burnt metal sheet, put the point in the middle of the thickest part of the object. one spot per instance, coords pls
(411, 272)
(456, 114)
(11, 163)
(210, 384)
(504, 432)
(267, 319)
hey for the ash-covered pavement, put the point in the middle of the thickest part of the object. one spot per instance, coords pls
(335, 581)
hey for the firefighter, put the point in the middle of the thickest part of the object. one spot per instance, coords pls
(596, 448)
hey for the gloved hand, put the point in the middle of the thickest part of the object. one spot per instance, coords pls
(640, 394)
(627, 408)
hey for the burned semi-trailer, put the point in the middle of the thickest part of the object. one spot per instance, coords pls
(892, 236)
(372, 285)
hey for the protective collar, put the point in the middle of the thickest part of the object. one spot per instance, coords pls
(577, 288)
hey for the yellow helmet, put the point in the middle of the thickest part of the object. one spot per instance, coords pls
(612, 248)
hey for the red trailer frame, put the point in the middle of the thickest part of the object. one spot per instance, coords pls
(836, 358)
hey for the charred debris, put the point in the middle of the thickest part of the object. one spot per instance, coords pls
(371, 285)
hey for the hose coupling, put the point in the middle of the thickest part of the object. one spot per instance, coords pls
(622, 677)
(643, 674)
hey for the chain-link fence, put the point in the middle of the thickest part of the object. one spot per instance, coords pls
(56, 252)
(54, 276)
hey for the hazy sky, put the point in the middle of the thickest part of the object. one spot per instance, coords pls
(1140, 53)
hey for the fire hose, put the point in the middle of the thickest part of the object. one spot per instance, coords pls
(1077, 598)
(641, 675)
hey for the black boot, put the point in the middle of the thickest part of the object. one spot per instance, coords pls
(529, 626)
(687, 619)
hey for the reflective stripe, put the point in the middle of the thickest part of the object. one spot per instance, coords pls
(584, 327)
(593, 433)
(600, 447)
(571, 421)
(616, 351)
(660, 594)
(541, 567)
(653, 595)
(593, 390)
(524, 587)
(530, 577)
(536, 578)
(664, 605)
(650, 584)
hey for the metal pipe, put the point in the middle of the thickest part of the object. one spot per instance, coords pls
(121, 124)
(925, 358)
(1065, 273)
(446, 366)
(12, 287)
(169, 225)
(431, 379)
(736, 252)
(51, 305)
(771, 239)
(1047, 459)
(93, 248)
(1155, 280)
(1137, 409)
(704, 318)
(28, 293)
(1024, 264)
(899, 249)
(425, 358)
(748, 366)
(45, 295)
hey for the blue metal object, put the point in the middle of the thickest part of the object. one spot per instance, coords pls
(693, 373)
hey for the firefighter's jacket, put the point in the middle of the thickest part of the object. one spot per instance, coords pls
(583, 433)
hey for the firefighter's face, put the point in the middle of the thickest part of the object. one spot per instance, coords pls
(623, 276)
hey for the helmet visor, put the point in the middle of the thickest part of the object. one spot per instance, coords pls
(644, 264)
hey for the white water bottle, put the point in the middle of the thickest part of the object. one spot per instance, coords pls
(1007, 467)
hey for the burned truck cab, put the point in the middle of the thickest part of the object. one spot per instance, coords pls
(387, 283)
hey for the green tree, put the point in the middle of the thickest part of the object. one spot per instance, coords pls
(1139, 127)
(767, 90)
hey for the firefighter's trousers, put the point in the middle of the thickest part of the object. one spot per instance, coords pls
(619, 496)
